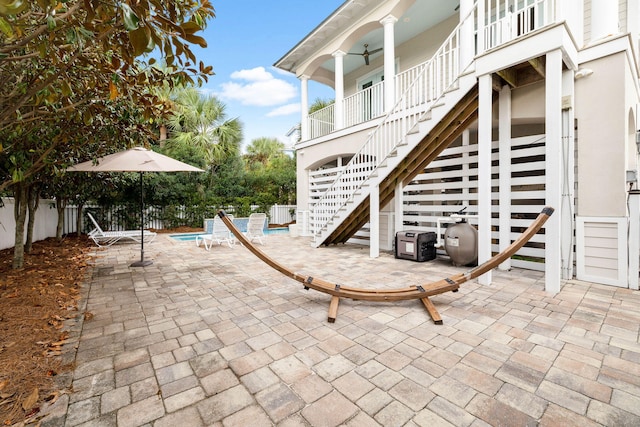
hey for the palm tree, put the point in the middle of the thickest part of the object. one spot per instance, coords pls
(200, 122)
(263, 149)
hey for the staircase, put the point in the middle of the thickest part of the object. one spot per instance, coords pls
(439, 104)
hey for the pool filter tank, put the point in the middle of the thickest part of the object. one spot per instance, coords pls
(461, 243)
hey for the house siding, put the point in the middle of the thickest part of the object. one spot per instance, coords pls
(601, 116)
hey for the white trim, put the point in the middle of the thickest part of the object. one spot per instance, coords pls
(621, 235)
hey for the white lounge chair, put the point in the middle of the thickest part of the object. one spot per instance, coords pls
(108, 238)
(219, 233)
(255, 227)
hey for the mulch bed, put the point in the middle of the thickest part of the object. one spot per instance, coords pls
(35, 301)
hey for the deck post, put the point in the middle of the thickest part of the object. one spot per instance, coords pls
(398, 207)
(485, 88)
(374, 222)
(504, 154)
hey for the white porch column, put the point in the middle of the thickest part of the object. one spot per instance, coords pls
(398, 208)
(389, 62)
(374, 222)
(339, 89)
(567, 210)
(466, 42)
(504, 155)
(553, 162)
(604, 19)
(634, 238)
(304, 107)
(484, 173)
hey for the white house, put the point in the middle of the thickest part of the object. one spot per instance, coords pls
(503, 106)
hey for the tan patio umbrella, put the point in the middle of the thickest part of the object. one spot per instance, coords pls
(141, 160)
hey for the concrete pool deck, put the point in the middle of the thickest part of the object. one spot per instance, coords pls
(217, 338)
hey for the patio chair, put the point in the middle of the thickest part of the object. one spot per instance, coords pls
(255, 227)
(108, 238)
(219, 233)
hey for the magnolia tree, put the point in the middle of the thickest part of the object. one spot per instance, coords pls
(78, 78)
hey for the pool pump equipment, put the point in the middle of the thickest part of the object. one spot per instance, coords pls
(461, 242)
(416, 245)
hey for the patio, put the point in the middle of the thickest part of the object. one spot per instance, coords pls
(218, 338)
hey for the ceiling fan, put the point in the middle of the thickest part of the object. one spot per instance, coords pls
(366, 53)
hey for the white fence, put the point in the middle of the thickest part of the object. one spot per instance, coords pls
(450, 183)
(44, 225)
(47, 219)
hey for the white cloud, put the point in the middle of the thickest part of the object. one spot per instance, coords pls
(258, 88)
(285, 110)
(254, 74)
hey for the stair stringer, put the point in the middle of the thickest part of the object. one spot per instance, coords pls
(359, 200)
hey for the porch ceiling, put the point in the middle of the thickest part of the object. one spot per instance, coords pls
(422, 15)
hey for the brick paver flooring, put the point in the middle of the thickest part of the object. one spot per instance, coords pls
(217, 338)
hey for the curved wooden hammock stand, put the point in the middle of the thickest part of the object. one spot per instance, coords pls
(421, 292)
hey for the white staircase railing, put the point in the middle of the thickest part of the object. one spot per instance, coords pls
(429, 84)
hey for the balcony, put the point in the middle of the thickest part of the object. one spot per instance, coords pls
(501, 21)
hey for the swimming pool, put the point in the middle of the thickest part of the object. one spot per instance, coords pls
(189, 237)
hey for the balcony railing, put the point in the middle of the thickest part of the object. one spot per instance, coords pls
(502, 22)
(321, 122)
(508, 20)
(364, 105)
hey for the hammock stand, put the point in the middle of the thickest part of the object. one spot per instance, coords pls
(421, 292)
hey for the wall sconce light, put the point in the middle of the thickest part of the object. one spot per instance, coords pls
(583, 72)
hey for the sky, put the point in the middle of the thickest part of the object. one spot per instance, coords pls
(243, 42)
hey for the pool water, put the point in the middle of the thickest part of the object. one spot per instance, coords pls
(189, 237)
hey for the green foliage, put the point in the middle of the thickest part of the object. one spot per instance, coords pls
(75, 82)
(200, 122)
(319, 104)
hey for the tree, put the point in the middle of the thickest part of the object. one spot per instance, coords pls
(57, 57)
(73, 66)
(200, 121)
(271, 174)
(319, 104)
(263, 149)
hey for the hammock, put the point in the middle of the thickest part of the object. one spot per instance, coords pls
(421, 292)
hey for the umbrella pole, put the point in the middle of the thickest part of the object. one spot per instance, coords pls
(142, 262)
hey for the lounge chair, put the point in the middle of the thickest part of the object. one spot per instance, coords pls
(255, 227)
(108, 238)
(218, 233)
